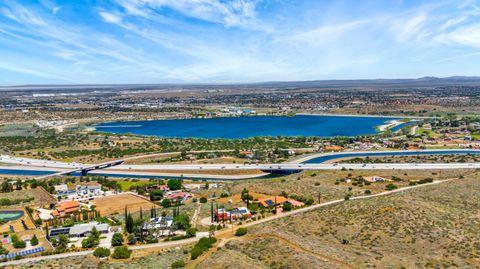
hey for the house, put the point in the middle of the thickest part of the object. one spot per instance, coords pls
(373, 179)
(80, 230)
(84, 229)
(272, 201)
(80, 191)
(178, 197)
(235, 214)
(90, 188)
(66, 208)
(161, 223)
(295, 203)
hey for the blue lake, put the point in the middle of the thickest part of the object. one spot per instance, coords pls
(244, 127)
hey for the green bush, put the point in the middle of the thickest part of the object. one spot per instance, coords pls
(191, 232)
(121, 252)
(391, 187)
(241, 231)
(19, 244)
(101, 252)
(117, 239)
(203, 200)
(201, 246)
(131, 239)
(178, 264)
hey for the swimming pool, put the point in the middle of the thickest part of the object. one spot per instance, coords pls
(10, 214)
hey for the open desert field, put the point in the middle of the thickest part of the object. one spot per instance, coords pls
(431, 227)
(110, 205)
(332, 185)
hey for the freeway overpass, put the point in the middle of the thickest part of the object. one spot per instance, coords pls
(84, 169)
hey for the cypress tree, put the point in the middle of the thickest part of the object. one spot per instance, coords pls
(129, 223)
(46, 231)
(211, 211)
(141, 213)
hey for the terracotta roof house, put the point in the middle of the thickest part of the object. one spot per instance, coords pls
(271, 201)
(66, 208)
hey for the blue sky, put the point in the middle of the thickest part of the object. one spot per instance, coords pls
(220, 41)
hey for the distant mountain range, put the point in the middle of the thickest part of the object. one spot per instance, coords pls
(374, 83)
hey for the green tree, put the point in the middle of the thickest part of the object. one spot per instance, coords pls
(62, 243)
(166, 203)
(287, 206)
(174, 184)
(34, 240)
(156, 195)
(182, 221)
(117, 239)
(129, 223)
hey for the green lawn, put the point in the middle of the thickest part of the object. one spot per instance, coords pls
(126, 185)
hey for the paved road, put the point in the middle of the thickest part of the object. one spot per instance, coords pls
(88, 252)
(204, 234)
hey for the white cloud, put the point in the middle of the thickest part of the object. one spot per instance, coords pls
(466, 36)
(410, 28)
(229, 13)
(110, 17)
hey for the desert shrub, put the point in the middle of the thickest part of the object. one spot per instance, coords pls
(390, 187)
(241, 231)
(101, 252)
(131, 239)
(201, 246)
(178, 264)
(121, 252)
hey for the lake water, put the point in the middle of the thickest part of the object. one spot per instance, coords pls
(244, 127)
(334, 156)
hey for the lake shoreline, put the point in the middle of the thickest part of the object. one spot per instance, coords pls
(253, 126)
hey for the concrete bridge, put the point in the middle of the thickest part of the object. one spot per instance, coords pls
(84, 169)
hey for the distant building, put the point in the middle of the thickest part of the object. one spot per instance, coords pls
(333, 148)
(373, 179)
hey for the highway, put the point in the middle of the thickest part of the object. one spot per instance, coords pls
(117, 168)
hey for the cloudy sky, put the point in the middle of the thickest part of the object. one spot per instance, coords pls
(220, 41)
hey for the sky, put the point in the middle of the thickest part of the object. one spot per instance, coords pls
(220, 41)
